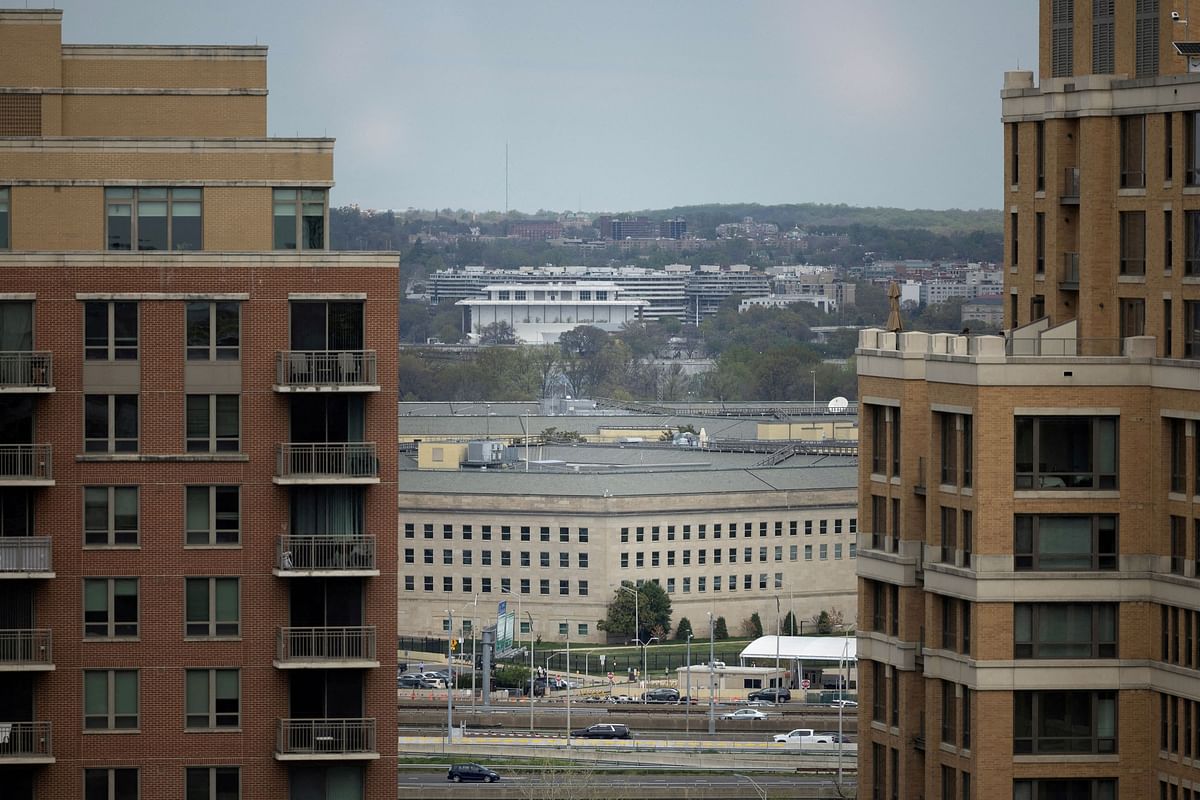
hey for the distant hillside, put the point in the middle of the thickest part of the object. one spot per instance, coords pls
(703, 219)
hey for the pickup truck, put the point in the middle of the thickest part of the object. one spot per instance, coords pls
(803, 736)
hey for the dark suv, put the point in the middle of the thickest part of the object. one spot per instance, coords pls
(661, 696)
(471, 772)
(771, 695)
(603, 731)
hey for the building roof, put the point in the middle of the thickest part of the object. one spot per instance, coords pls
(804, 648)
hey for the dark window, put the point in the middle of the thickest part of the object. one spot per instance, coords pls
(1133, 242)
(1065, 543)
(1014, 239)
(1064, 722)
(1168, 243)
(878, 440)
(895, 441)
(1167, 328)
(1065, 789)
(212, 607)
(213, 423)
(1146, 38)
(968, 538)
(110, 784)
(1191, 144)
(1066, 452)
(949, 716)
(878, 522)
(1040, 129)
(1133, 316)
(1039, 231)
(1102, 36)
(1065, 630)
(110, 607)
(110, 699)
(948, 783)
(213, 330)
(1177, 431)
(1191, 243)
(1191, 329)
(949, 448)
(1062, 38)
(1168, 143)
(1014, 150)
(213, 783)
(1178, 544)
(299, 216)
(1133, 152)
(212, 698)
(878, 692)
(110, 515)
(949, 533)
(4, 217)
(110, 423)
(154, 218)
(110, 330)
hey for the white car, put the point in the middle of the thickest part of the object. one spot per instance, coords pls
(745, 713)
(844, 704)
(803, 736)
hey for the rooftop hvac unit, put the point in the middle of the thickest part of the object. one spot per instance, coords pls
(485, 452)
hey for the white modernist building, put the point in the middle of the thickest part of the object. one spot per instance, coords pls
(540, 312)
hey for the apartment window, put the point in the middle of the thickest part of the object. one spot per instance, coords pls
(1191, 242)
(485, 532)
(1133, 316)
(428, 555)
(1133, 152)
(878, 691)
(640, 534)
(544, 586)
(447, 557)
(212, 607)
(948, 783)
(1014, 150)
(624, 535)
(624, 560)
(4, 215)
(824, 551)
(687, 585)
(1062, 38)
(778, 553)
(525, 561)
(1191, 328)
(213, 783)
(716, 583)
(852, 550)
(1146, 38)
(968, 538)
(485, 585)
(949, 423)
(428, 583)
(1168, 143)
(564, 587)
(878, 440)
(1051, 542)
(1014, 239)
(808, 553)
(428, 530)
(110, 331)
(1065, 630)
(1102, 37)
(213, 331)
(1066, 452)
(1133, 242)
(213, 698)
(1064, 722)
(544, 534)
(485, 557)
(583, 588)
(410, 556)
(670, 585)
(110, 515)
(447, 531)
(949, 533)
(299, 217)
(1177, 430)
(949, 623)
(110, 784)
(110, 607)
(748, 581)
(1167, 328)
(213, 423)
(110, 699)
(837, 551)
(447, 583)
(1040, 129)
(154, 218)
(1058, 788)
(544, 560)
(1178, 544)
(1039, 220)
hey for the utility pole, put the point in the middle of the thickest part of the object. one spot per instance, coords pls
(530, 672)
(777, 636)
(450, 676)
(637, 627)
(569, 691)
(687, 700)
(712, 714)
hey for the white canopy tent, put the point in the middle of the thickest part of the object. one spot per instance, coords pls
(809, 649)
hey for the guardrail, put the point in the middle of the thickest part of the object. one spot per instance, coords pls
(313, 368)
(331, 460)
(26, 369)
(25, 740)
(326, 644)
(325, 736)
(325, 552)
(26, 462)
(20, 646)
(25, 554)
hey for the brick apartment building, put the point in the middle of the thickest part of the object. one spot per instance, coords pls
(1029, 567)
(197, 439)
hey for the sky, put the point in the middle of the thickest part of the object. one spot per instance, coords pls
(625, 104)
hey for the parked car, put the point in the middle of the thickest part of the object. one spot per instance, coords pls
(844, 704)
(471, 772)
(661, 696)
(772, 695)
(802, 736)
(745, 713)
(414, 682)
(603, 731)
(835, 737)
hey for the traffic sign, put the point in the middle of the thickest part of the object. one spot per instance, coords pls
(610, 677)
(454, 645)
(804, 684)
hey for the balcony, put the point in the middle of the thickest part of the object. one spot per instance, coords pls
(325, 740)
(1068, 279)
(25, 557)
(327, 555)
(326, 462)
(26, 465)
(326, 371)
(25, 650)
(326, 648)
(26, 372)
(1070, 187)
(25, 743)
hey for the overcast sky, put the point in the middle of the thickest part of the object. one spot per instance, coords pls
(623, 104)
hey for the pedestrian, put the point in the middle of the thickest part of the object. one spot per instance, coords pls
(421, 667)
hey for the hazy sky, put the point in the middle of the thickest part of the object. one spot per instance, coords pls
(623, 104)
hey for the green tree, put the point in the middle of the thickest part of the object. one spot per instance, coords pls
(790, 628)
(755, 628)
(823, 622)
(512, 676)
(497, 333)
(720, 629)
(653, 609)
(684, 629)
(582, 363)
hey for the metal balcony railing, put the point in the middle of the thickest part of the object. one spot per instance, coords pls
(25, 462)
(25, 647)
(309, 369)
(19, 740)
(1069, 277)
(300, 737)
(1070, 188)
(329, 552)
(24, 554)
(26, 369)
(326, 644)
(327, 460)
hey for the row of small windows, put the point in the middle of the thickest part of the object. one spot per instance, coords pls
(764, 554)
(111, 703)
(505, 532)
(467, 558)
(1146, 26)
(655, 533)
(200, 783)
(212, 607)
(111, 516)
(502, 585)
(212, 423)
(581, 628)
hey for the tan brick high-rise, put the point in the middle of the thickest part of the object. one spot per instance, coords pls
(197, 439)
(1030, 563)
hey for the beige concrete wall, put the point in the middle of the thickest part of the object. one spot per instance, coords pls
(30, 45)
(86, 161)
(164, 115)
(173, 73)
(440, 455)
(57, 218)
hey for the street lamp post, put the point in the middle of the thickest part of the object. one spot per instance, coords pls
(568, 679)
(842, 705)
(637, 628)
(712, 712)
(777, 636)
(645, 679)
(687, 700)
(813, 372)
(530, 672)
(450, 678)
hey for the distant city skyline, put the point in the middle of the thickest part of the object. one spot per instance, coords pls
(640, 106)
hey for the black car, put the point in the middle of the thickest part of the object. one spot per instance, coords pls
(661, 696)
(603, 731)
(414, 682)
(771, 695)
(471, 772)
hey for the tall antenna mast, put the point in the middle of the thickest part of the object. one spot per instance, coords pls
(506, 179)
